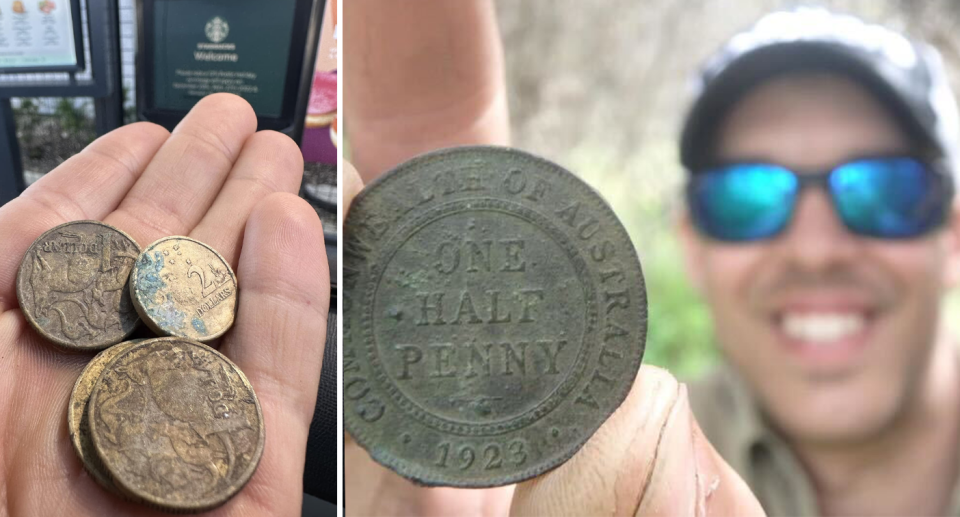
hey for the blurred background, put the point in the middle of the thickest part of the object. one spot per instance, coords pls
(601, 88)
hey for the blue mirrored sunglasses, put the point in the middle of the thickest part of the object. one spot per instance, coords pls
(886, 198)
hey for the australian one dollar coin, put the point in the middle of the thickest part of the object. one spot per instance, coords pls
(78, 426)
(495, 316)
(72, 285)
(176, 424)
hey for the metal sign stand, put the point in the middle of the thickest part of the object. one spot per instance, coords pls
(108, 109)
(104, 87)
(11, 178)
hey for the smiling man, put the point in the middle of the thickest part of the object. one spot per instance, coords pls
(822, 233)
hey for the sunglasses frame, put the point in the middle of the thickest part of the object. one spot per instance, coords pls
(807, 178)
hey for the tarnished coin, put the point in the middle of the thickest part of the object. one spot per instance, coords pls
(176, 424)
(77, 423)
(495, 316)
(182, 287)
(72, 285)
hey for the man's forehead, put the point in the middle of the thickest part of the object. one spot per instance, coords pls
(808, 121)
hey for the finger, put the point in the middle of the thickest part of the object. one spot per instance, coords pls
(724, 491)
(89, 185)
(184, 177)
(352, 185)
(644, 460)
(269, 162)
(371, 489)
(277, 339)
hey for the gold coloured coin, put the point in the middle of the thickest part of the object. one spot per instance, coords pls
(176, 424)
(182, 287)
(72, 282)
(77, 423)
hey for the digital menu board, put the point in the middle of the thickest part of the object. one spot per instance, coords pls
(40, 36)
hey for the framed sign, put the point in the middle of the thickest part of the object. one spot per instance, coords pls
(40, 36)
(191, 48)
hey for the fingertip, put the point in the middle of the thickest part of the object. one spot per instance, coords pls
(277, 148)
(133, 146)
(221, 113)
(232, 104)
(352, 184)
(288, 213)
(143, 129)
(283, 244)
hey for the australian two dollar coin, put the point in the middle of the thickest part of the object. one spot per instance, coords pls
(495, 316)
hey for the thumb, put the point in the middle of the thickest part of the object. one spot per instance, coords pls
(352, 185)
(648, 458)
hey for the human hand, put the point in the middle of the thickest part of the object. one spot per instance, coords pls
(648, 458)
(213, 179)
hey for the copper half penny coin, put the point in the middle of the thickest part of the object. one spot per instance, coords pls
(495, 316)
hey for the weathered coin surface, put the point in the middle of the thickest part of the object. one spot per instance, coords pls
(77, 423)
(176, 424)
(182, 287)
(495, 316)
(72, 285)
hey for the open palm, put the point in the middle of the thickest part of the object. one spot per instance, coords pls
(216, 180)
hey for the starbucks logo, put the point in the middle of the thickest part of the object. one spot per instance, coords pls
(217, 29)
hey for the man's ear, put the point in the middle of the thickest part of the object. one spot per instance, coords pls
(952, 237)
(692, 247)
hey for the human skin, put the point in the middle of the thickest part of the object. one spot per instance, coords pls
(871, 409)
(420, 75)
(217, 181)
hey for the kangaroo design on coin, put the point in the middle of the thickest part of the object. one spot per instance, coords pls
(72, 285)
(176, 424)
(495, 316)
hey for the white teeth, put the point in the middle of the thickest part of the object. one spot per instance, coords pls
(822, 328)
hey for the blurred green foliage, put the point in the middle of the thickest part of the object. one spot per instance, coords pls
(72, 118)
(27, 117)
(679, 332)
(645, 196)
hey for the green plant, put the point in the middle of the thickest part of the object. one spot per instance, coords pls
(679, 330)
(27, 117)
(644, 195)
(71, 117)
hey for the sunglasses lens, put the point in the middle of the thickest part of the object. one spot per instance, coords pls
(889, 197)
(742, 202)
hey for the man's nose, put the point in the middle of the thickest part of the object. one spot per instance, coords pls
(817, 239)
